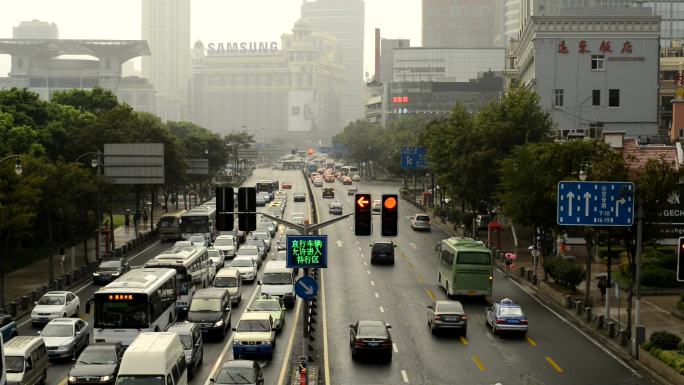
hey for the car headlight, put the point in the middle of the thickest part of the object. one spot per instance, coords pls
(72, 379)
(55, 313)
(219, 323)
(115, 273)
(106, 378)
(34, 313)
(237, 342)
(266, 342)
(96, 274)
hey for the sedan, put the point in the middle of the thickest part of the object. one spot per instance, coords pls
(506, 315)
(335, 208)
(252, 251)
(199, 240)
(65, 337)
(97, 361)
(244, 372)
(55, 304)
(420, 222)
(447, 315)
(271, 305)
(110, 270)
(286, 185)
(318, 182)
(346, 180)
(299, 197)
(356, 178)
(370, 337)
(352, 190)
(246, 267)
(264, 236)
(376, 206)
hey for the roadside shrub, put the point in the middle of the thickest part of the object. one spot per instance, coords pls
(657, 276)
(665, 340)
(671, 358)
(566, 272)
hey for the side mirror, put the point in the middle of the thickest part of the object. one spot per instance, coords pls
(260, 381)
(233, 329)
(389, 326)
(351, 326)
(212, 380)
(430, 307)
(38, 332)
(35, 302)
(273, 328)
(394, 245)
(259, 282)
(370, 244)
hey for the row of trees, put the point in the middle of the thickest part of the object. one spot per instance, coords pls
(54, 201)
(505, 157)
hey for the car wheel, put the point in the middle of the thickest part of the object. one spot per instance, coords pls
(354, 354)
(64, 315)
(464, 332)
(388, 358)
(201, 357)
(432, 329)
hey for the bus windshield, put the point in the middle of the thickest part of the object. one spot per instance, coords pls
(121, 314)
(473, 258)
(167, 222)
(195, 224)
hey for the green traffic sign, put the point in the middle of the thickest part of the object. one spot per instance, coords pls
(307, 251)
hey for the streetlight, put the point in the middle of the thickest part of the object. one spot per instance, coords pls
(17, 164)
(17, 170)
(95, 163)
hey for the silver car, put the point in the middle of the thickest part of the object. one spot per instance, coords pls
(264, 236)
(421, 222)
(246, 267)
(250, 251)
(447, 315)
(65, 337)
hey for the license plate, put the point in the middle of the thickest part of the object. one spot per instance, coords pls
(251, 349)
(373, 344)
(43, 319)
(451, 318)
(513, 321)
(472, 292)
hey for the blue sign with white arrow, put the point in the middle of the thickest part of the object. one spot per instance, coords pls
(595, 203)
(414, 158)
(306, 288)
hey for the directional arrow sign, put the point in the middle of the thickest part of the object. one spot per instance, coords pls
(362, 202)
(306, 288)
(595, 203)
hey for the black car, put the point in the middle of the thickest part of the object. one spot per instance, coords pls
(109, 270)
(190, 335)
(239, 372)
(210, 309)
(382, 252)
(328, 192)
(370, 337)
(299, 197)
(97, 364)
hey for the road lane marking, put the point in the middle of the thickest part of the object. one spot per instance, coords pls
(479, 363)
(361, 255)
(430, 294)
(382, 310)
(368, 271)
(531, 341)
(359, 248)
(410, 264)
(578, 330)
(372, 283)
(419, 278)
(325, 331)
(554, 364)
(413, 245)
(394, 346)
(463, 340)
(403, 374)
(365, 263)
(377, 295)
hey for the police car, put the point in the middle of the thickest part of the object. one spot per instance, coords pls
(506, 315)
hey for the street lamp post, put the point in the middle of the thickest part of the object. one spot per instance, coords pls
(17, 170)
(96, 163)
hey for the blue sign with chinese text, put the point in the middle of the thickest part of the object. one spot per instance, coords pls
(307, 251)
(414, 158)
(306, 288)
(595, 203)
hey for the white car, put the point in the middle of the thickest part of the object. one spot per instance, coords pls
(376, 207)
(250, 251)
(246, 267)
(318, 182)
(55, 304)
(356, 178)
(226, 244)
(217, 259)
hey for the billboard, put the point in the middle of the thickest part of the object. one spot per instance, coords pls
(134, 163)
(304, 111)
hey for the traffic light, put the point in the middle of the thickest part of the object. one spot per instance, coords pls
(247, 203)
(363, 218)
(224, 204)
(390, 215)
(680, 261)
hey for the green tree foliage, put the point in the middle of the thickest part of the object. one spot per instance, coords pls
(96, 101)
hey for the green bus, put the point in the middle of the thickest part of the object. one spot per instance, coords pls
(465, 267)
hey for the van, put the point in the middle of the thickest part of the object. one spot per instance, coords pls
(278, 281)
(26, 360)
(154, 358)
(169, 226)
(193, 346)
(229, 278)
(210, 310)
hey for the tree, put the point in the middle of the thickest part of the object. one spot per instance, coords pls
(96, 101)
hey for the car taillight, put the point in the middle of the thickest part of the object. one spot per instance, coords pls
(523, 322)
(501, 321)
(360, 343)
(437, 317)
(386, 343)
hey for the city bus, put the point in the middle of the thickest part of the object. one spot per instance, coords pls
(193, 271)
(142, 300)
(465, 267)
(3, 370)
(350, 170)
(199, 220)
(170, 226)
(268, 185)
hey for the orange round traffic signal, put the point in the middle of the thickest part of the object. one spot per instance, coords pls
(390, 203)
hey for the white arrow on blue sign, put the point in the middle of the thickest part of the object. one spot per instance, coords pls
(595, 203)
(306, 288)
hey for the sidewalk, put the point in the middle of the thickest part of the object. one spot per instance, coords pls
(34, 276)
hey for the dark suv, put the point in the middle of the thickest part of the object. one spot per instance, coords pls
(210, 309)
(191, 337)
(382, 252)
(328, 192)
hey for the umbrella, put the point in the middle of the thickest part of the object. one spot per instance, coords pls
(512, 256)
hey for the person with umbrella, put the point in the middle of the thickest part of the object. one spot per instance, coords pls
(508, 262)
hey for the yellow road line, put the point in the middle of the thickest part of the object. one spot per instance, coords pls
(554, 365)
(419, 278)
(463, 340)
(479, 363)
(531, 341)
(410, 264)
(430, 294)
(63, 382)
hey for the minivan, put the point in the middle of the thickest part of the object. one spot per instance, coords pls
(154, 358)
(278, 281)
(230, 279)
(210, 309)
(26, 360)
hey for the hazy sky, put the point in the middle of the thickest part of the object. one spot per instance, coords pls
(212, 20)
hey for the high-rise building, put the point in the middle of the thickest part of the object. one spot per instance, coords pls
(387, 47)
(344, 20)
(672, 24)
(166, 28)
(511, 20)
(459, 23)
(35, 29)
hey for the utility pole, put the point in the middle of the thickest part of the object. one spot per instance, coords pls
(637, 284)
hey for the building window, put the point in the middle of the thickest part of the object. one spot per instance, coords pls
(614, 98)
(596, 98)
(595, 130)
(20, 63)
(597, 62)
(558, 98)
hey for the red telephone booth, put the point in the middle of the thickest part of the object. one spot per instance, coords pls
(427, 198)
(492, 227)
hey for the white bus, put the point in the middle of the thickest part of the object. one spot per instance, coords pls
(199, 220)
(193, 269)
(350, 170)
(3, 370)
(141, 300)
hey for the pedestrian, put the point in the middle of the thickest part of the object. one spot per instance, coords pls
(62, 257)
(136, 219)
(145, 217)
(508, 262)
(602, 286)
(127, 219)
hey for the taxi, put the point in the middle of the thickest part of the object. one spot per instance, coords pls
(270, 305)
(254, 335)
(506, 315)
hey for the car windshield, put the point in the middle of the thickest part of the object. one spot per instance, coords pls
(236, 376)
(277, 279)
(205, 304)
(225, 282)
(248, 250)
(139, 380)
(53, 330)
(266, 306)
(97, 357)
(241, 263)
(223, 242)
(513, 311)
(14, 364)
(372, 330)
(382, 248)
(214, 254)
(110, 265)
(449, 307)
(260, 234)
(52, 300)
(254, 326)
(186, 340)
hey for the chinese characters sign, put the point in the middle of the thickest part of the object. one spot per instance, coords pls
(307, 251)
(595, 203)
(604, 47)
(400, 99)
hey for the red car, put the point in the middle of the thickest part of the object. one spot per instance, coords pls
(346, 180)
(286, 185)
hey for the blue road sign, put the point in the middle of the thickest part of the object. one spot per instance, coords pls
(413, 158)
(306, 288)
(595, 203)
(307, 251)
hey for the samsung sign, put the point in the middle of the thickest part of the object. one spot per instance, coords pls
(242, 47)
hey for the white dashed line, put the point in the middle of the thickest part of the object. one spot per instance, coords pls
(413, 245)
(361, 255)
(394, 346)
(365, 263)
(372, 283)
(359, 249)
(403, 374)
(368, 271)
(377, 295)
(382, 310)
